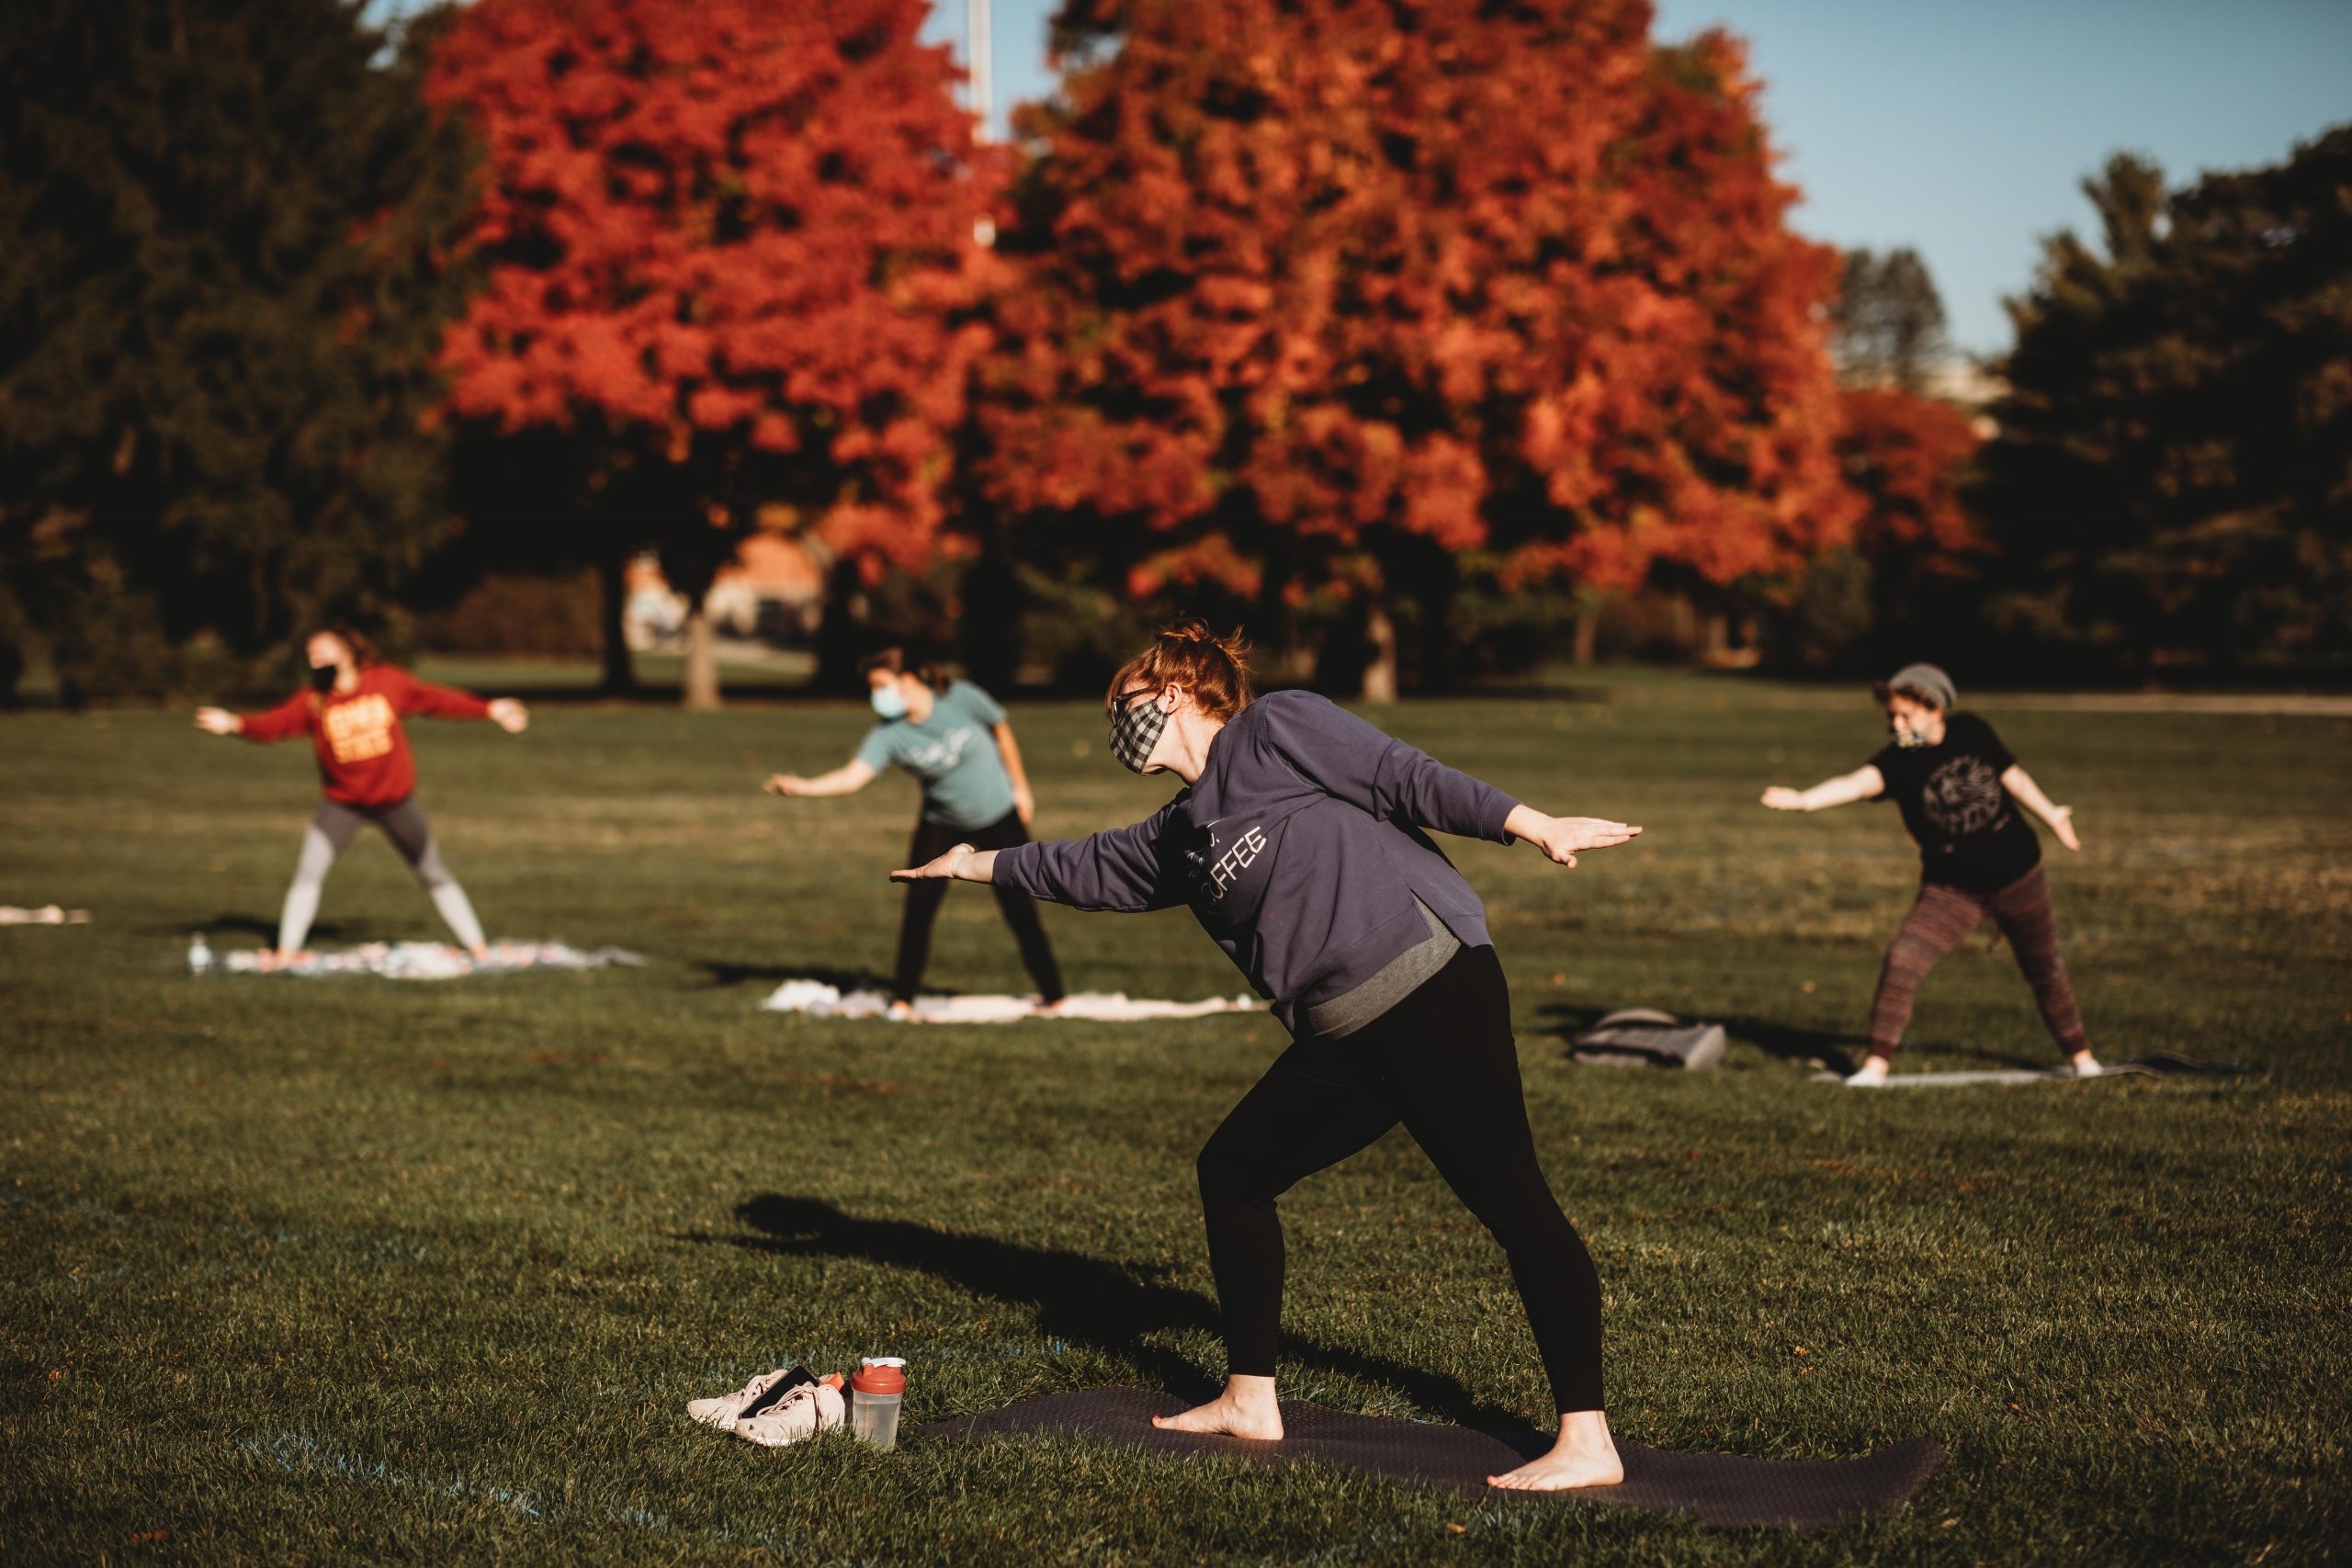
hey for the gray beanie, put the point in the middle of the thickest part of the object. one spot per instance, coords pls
(1925, 681)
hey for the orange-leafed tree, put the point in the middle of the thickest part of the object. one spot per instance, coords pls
(1908, 457)
(1345, 293)
(732, 270)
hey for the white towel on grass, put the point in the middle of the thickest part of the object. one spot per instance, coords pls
(818, 1000)
(432, 960)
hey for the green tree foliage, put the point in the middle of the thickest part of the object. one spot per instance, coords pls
(221, 304)
(1889, 322)
(2172, 479)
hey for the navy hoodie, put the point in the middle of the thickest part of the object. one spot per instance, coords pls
(1300, 850)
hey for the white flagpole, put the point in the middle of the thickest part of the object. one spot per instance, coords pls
(982, 66)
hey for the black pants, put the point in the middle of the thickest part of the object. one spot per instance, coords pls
(933, 840)
(1442, 1062)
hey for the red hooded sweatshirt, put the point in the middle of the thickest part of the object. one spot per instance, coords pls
(363, 753)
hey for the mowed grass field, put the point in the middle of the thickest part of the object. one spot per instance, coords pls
(306, 1270)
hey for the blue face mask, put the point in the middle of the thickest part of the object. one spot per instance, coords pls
(890, 702)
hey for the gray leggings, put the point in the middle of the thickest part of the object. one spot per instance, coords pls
(405, 826)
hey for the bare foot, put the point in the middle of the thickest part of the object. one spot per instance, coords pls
(479, 954)
(901, 1013)
(1584, 1456)
(1245, 1409)
(1047, 1010)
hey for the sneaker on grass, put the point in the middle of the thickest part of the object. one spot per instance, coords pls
(808, 1410)
(728, 1408)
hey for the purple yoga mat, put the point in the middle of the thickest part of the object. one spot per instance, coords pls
(1721, 1489)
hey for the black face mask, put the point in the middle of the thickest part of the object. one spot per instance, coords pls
(322, 677)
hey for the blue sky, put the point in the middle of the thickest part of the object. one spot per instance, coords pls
(1964, 131)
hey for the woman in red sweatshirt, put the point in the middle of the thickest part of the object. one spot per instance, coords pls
(352, 714)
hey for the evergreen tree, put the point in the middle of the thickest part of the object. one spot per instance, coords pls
(1890, 322)
(222, 299)
(2173, 477)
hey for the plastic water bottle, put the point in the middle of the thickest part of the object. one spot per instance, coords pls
(875, 1395)
(199, 955)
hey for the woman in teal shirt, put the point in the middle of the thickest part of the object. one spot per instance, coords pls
(954, 738)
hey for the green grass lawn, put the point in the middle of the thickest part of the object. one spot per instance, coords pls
(310, 1269)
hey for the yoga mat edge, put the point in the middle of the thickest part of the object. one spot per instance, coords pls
(1722, 1490)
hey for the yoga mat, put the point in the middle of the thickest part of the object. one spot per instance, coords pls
(818, 1000)
(1720, 1489)
(2163, 1063)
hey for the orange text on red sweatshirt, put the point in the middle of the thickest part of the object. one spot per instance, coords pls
(364, 758)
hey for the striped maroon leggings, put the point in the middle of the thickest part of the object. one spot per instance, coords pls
(1942, 919)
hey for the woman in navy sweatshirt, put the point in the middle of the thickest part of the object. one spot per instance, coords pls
(1299, 844)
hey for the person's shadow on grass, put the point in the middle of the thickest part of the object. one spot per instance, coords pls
(725, 972)
(1082, 1300)
(1834, 1049)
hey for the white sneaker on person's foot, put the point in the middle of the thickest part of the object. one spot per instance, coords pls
(2081, 1070)
(805, 1412)
(723, 1411)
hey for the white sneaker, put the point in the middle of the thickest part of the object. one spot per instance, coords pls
(805, 1412)
(2088, 1070)
(722, 1412)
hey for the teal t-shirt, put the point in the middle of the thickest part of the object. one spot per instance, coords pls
(964, 781)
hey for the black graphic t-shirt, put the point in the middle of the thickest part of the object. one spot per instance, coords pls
(1970, 834)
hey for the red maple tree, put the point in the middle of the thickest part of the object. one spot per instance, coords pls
(1907, 456)
(1356, 292)
(732, 250)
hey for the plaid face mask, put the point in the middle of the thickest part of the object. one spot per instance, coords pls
(1135, 729)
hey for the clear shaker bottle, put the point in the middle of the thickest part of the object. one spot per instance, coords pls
(875, 1395)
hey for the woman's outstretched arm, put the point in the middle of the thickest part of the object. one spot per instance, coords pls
(2060, 818)
(288, 719)
(1561, 837)
(1865, 783)
(962, 863)
(847, 778)
(1118, 869)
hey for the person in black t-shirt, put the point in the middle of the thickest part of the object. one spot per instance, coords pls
(1958, 790)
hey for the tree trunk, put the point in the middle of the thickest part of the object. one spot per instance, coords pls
(991, 628)
(841, 637)
(1588, 635)
(620, 668)
(1380, 648)
(701, 683)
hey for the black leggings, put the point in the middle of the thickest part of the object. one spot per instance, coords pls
(1442, 1062)
(923, 899)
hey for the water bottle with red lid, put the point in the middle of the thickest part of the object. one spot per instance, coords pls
(875, 1395)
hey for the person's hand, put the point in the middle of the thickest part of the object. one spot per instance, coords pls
(786, 784)
(1561, 837)
(946, 867)
(510, 715)
(1781, 797)
(217, 721)
(2062, 822)
(1024, 805)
